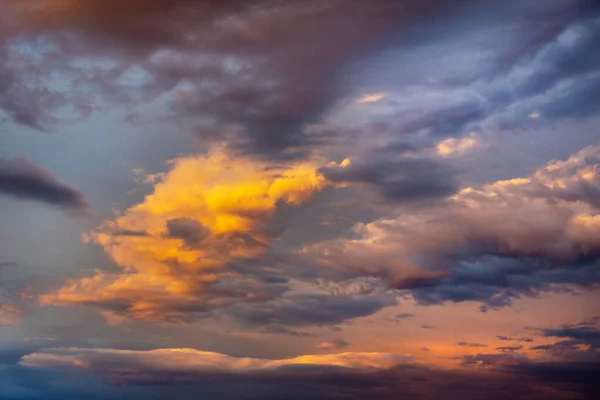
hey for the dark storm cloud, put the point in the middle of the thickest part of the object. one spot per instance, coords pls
(403, 180)
(22, 179)
(404, 315)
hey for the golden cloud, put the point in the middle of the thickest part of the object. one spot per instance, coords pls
(206, 212)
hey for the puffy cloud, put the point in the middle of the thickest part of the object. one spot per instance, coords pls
(488, 243)
(22, 179)
(201, 242)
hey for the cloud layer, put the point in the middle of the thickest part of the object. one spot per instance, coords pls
(343, 375)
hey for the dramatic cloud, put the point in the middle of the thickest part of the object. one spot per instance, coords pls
(201, 242)
(489, 243)
(236, 71)
(22, 179)
(413, 184)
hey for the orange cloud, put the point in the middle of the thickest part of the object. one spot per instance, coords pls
(206, 212)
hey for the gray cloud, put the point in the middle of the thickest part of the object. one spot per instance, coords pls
(509, 349)
(22, 179)
(403, 180)
(469, 344)
(191, 231)
(300, 310)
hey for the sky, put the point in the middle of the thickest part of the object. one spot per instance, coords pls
(299, 199)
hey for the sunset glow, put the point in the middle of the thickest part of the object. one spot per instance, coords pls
(299, 199)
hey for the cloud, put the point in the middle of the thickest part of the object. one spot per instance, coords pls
(320, 309)
(22, 179)
(370, 98)
(398, 180)
(453, 146)
(345, 375)
(509, 349)
(256, 75)
(469, 344)
(508, 338)
(563, 369)
(487, 243)
(582, 333)
(194, 361)
(201, 243)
